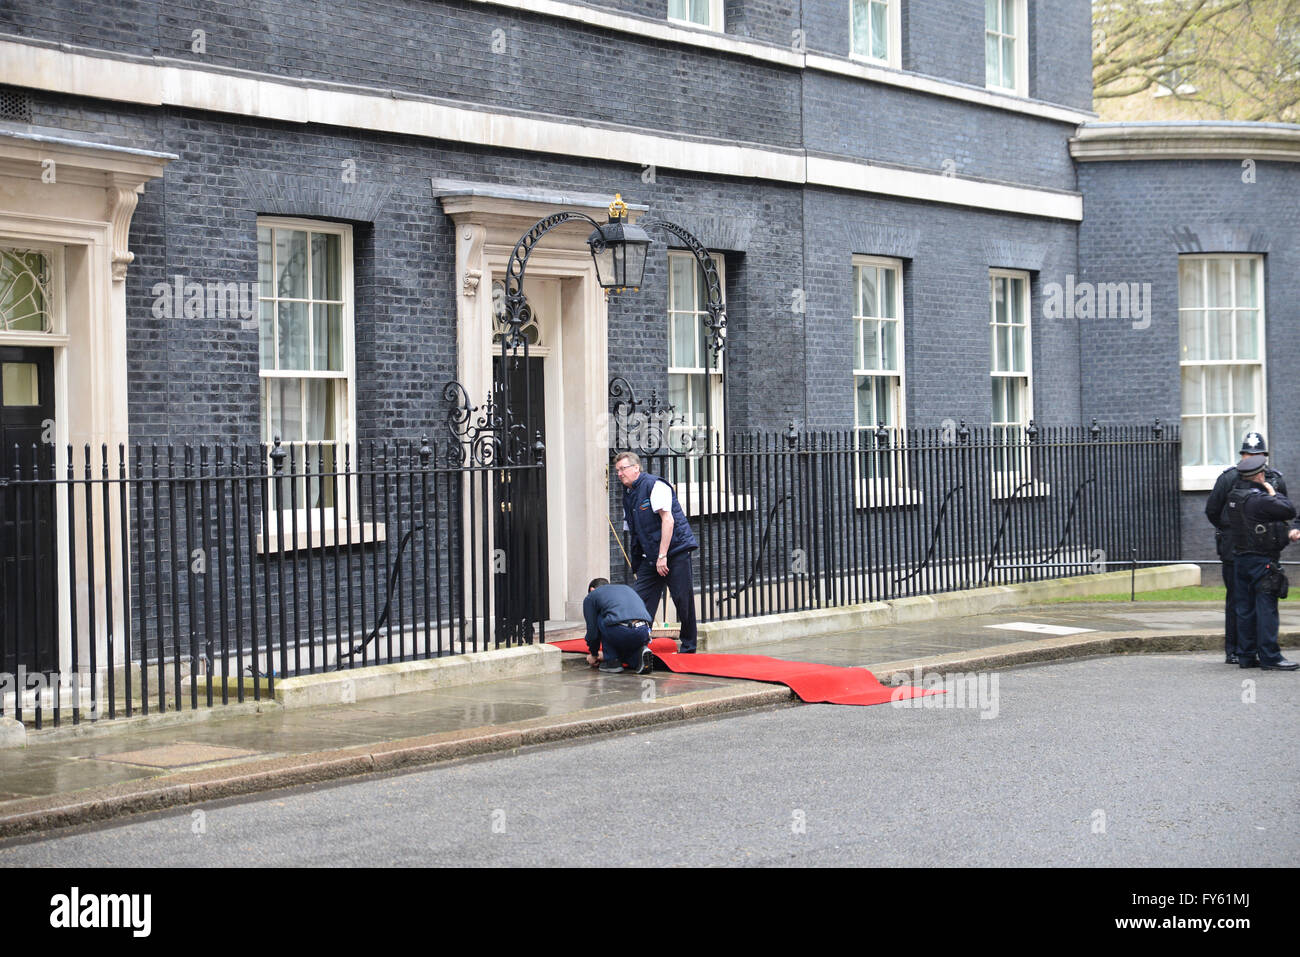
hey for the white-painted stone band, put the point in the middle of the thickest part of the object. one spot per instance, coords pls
(1191, 140)
(158, 82)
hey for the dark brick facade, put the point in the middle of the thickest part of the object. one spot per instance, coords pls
(788, 249)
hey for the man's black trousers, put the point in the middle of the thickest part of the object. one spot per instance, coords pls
(649, 585)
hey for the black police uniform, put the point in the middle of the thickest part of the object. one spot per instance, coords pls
(1216, 511)
(1260, 525)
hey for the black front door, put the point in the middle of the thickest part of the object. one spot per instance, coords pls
(28, 559)
(522, 580)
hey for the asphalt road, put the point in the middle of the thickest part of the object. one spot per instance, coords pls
(1138, 761)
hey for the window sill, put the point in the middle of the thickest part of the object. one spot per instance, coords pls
(712, 502)
(692, 25)
(1200, 478)
(361, 533)
(888, 496)
(1004, 489)
(865, 60)
(1007, 91)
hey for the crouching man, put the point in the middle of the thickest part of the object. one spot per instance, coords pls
(618, 628)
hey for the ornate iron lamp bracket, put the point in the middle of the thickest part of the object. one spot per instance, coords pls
(517, 308)
(716, 323)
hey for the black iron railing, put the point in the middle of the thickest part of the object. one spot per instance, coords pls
(793, 521)
(151, 579)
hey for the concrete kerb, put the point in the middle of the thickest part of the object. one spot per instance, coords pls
(740, 633)
(726, 635)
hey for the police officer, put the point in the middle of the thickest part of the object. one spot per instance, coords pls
(662, 542)
(1251, 444)
(1260, 521)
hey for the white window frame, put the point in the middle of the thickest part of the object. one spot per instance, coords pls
(1021, 39)
(1005, 481)
(715, 23)
(322, 519)
(878, 492)
(893, 36)
(689, 489)
(1201, 477)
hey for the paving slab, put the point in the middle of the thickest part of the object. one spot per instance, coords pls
(179, 755)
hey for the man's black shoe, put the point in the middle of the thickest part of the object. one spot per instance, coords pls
(1230, 660)
(1247, 663)
(615, 669)
(1280, 665)
(647, 662)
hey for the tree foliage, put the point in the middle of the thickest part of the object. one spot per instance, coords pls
(1218, 59)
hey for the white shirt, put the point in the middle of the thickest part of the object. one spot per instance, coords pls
(661, 499)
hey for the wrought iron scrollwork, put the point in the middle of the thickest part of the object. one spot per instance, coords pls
(934, 536)
(715, 324)
(1002, 528)
(517, 309)
(639, 429)
(484, 435)
(1069, 520)
(393, 575)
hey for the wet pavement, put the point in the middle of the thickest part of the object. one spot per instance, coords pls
(60, 764)
(899, 642)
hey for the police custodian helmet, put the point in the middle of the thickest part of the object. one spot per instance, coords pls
(1253, 444)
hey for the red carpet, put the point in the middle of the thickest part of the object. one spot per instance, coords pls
(826, 684)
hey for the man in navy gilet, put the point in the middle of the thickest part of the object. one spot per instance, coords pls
(662, 542)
